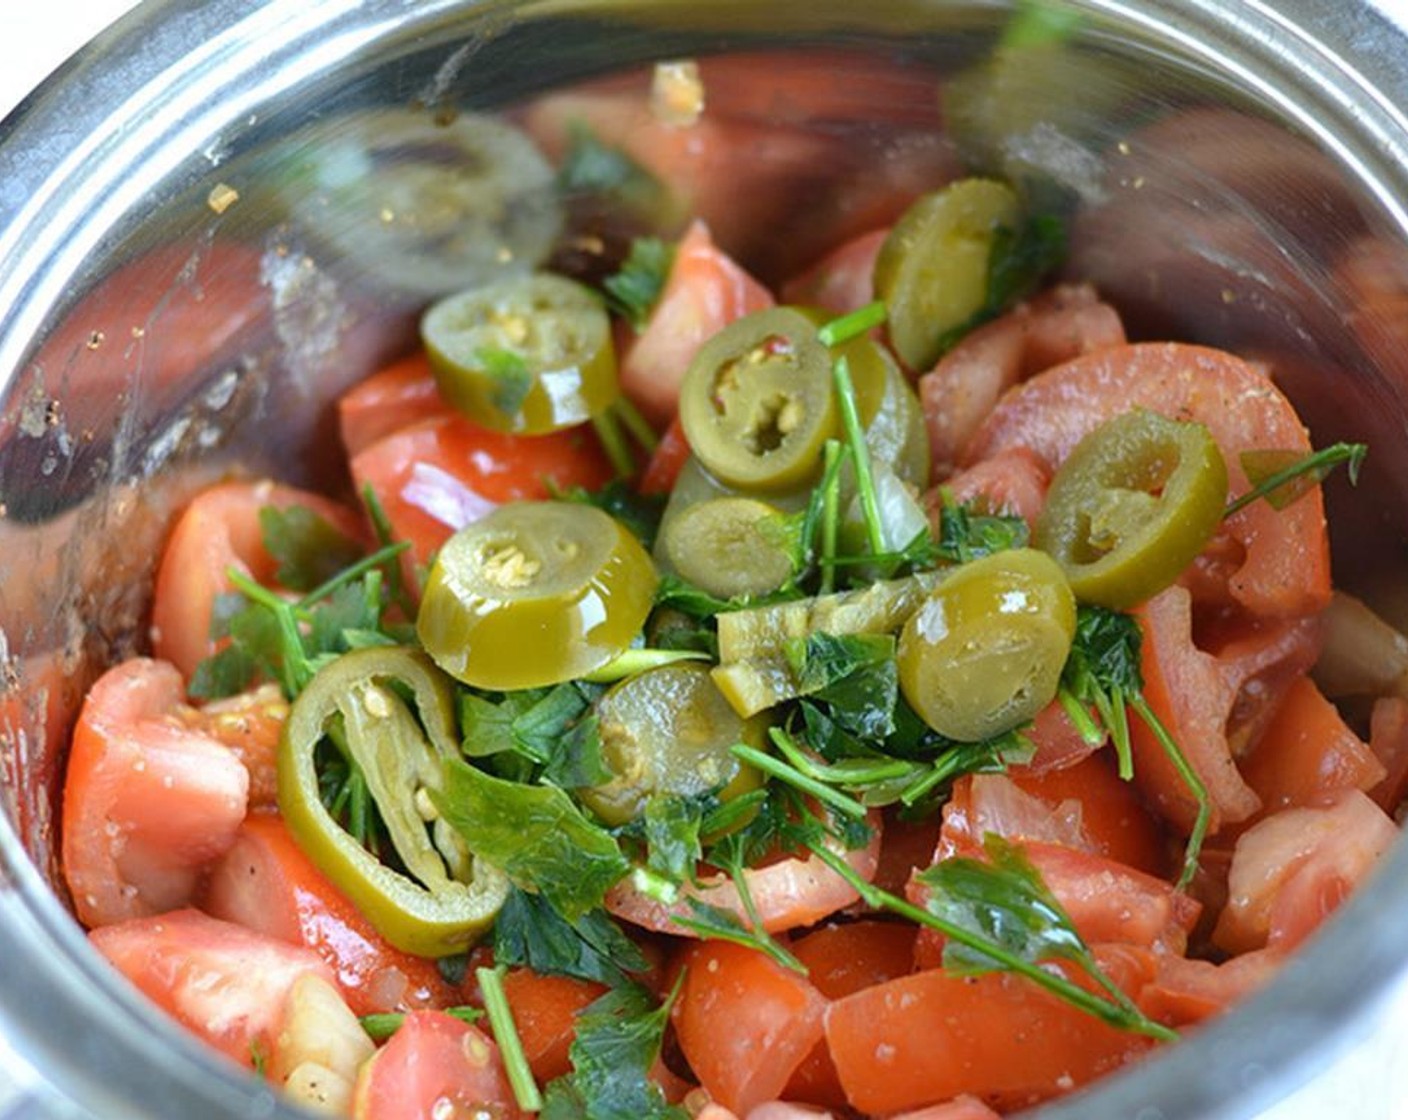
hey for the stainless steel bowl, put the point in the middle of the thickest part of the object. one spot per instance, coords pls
(1274, 225)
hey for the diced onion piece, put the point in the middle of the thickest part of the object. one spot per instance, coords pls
(1363, 655)
(321, 1043)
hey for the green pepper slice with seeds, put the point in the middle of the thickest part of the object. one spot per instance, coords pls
(1132, 506)
(391, 712)
(529, 354)
(534, 594)
(757, 404)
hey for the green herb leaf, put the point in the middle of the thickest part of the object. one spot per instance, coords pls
(307, 548)
(965, 535)
(640, 513)
(534, 834)
(1003, 903)
(512, 379)
(529, 932)
(617, 1040)
(854, 673)
(633, 291)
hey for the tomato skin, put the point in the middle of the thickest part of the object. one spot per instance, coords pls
(148, 801)
(431, 1059)
(267, 884)
(1388, 739)
(439, 475)
(1291, 870)
(744, 1022)
(223, 982)
(1285, 567)
(705, 292)
(218, 530)
(545, 1010)
(930, 1036)
(1307, 753)
(401, 394)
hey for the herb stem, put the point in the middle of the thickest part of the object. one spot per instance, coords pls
(520, 1076)
(860, 454)
(1115, 1014)
(613, 442)
(634, 661)
(293, 662)
(853, 324)
(780, 770)
(372, 561)
(636, 425)
(1317, 464)
(381, 1027)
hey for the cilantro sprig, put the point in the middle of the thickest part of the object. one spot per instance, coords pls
(1283, 476)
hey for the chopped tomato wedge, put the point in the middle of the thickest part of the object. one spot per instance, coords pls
(1308, 753)
(1012, 483)
(396, 397)
(744, 1022)
(1193, 698)
(1184, 992)
(984, 803)
(149, 802)
(221, 981)
(705, 292)
(843, 958)
(545, 1010)
(961, 391)
(217, 531)
(440, 475)
(667, 462)
(249, 723)
(931, 1036)
(434, 1065)
(266, 883)
(1291, 870)
(1285, 563)
(843, 280)
(787, 894)
(1388, 739)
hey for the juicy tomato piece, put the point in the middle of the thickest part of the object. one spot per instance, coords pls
(1012, 483)
(1285, 563)
(962, 1107)
(705, 292)
(843, 958)
(401, 394)
(217, 531)
(545, 1010)
(1115, 821)
(223, 982)
(149, 802)
(1308, 754)
(1193, 698)
(961, 391)
(841, 281)
(1291, 870)
(1388, 739)
(1085, 806)
(666, 463)
(440, 475)
(249, 723)
(1184, 992)
(931, 1036)
(1108, 903)
(743, 1021)
(267, 884)
(788, 893)
(434, 1065)
(1058, 742)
